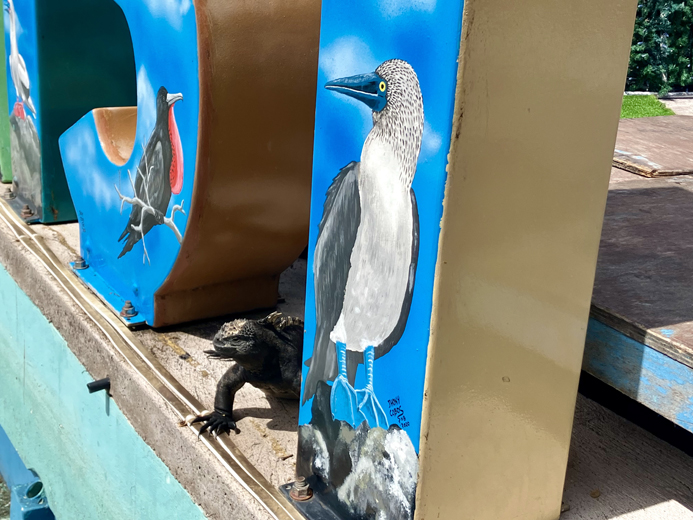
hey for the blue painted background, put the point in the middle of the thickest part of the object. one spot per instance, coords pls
(26, 45)
(164, 38)
(356, 37)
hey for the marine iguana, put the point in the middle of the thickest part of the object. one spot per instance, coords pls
(267, 354)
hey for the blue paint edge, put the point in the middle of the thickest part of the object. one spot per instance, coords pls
(642, 373)
(99, 286)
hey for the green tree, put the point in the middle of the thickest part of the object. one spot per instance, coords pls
(662, 47)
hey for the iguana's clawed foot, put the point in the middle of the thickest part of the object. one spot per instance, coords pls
(216, 423)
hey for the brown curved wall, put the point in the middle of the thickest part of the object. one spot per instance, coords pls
(250, 211)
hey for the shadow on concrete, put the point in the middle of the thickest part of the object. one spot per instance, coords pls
(615, 467)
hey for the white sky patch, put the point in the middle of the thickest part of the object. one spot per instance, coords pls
(146, 106)
(172, 10)
(345, 57)
(430, 142)
(393, 8)
(80, 157)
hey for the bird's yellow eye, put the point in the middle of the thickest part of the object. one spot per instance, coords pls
(382, 86)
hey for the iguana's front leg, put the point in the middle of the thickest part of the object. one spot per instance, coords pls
(220, 420)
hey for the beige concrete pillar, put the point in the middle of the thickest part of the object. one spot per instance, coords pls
(536, 113)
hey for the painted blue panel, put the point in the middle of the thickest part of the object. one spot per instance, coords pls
(21, 61)
(642, 373)
(164, 37)
(362, 249)
(91, 460)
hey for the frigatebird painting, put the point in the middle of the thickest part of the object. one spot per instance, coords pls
(18, 70)
(366, 253)
(159, 175)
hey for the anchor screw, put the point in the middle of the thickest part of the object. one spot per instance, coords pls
(128, 310)
(80, 263)
(27, 211)
(9, 194)
(301, 491)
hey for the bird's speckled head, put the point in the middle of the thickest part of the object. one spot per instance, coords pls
(402, 90)
(401, 121)
(394, 95)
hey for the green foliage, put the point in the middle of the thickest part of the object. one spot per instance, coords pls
(662, 47)
(643, 106)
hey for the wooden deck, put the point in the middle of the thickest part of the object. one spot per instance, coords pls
(655, 146)
(640, 336)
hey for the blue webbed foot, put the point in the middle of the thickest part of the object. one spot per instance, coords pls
(344, 403)
(371, 409)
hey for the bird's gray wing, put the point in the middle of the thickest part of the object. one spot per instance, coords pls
(331, 263)
(397, 332)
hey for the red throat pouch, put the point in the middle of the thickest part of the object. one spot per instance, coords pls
(176, 172)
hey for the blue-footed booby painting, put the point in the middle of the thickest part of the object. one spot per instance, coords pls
(18, 70)
(368, 243)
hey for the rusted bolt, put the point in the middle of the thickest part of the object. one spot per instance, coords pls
(128, 310)
(9, 194)
(27, 211)
(80, 263)
(301, 491)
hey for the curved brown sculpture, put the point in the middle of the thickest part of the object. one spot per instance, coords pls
(248, 215)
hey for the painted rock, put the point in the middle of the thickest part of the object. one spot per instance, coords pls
(61, 60)
(193, 202)
(455, 220)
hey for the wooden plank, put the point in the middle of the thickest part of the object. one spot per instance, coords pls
(644, 277)
(655, 146)
(642, 373)
(651, 338)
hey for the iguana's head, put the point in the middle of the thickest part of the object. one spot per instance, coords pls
(237, 340)
(251, 342)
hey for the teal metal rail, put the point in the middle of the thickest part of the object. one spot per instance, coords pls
(27, 498)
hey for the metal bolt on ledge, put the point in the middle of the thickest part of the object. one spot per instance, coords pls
(27, 212)
(128, 310)
(80, 263)
(301, 491)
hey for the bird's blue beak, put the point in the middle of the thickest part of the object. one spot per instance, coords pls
(368, 88)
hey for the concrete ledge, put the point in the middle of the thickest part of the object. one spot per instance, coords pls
(203, 476)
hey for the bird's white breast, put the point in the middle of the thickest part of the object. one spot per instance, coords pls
(381, 258)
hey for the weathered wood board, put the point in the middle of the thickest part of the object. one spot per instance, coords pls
(655, 146)
(641, 372)
(640, 337)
